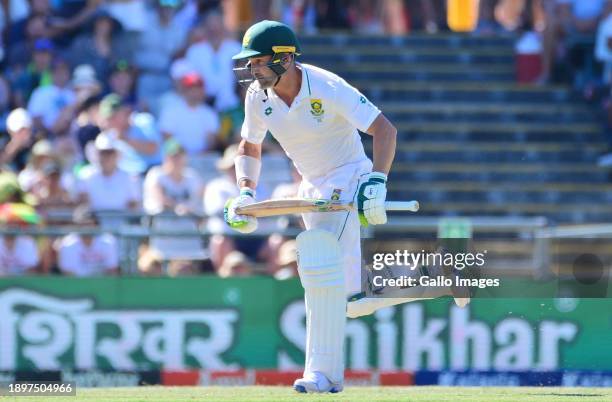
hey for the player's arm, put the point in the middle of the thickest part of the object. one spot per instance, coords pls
(248, 164)
(385, 138)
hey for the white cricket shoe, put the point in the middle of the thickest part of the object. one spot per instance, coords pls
(316, 383)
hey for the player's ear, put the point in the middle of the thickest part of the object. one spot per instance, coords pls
(287, 58)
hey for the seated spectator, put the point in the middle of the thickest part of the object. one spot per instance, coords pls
(10, 191)
(18, 255)
(34, 38)
(32, 71)
(86, 254)
(212, 59)
(48, 102)
(161, 40)
(100, 48)
(85, 82)
(49, 191)
(106, 186)
(236, 264)
(566, 19)
(15, 150)
(150, 262)
(182, 268)
(122, 81)
(131, 14)
(41, 153)
(139, 145)
(173, 97)
(191, 123)
(16, 10)
(56, 26)
(287, 261)
(85, 127)
(173, 186)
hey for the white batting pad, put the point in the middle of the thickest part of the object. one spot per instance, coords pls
(322, 276)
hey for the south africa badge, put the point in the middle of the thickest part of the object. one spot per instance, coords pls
(316, 109)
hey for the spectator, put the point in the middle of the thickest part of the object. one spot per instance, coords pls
(32, 73)
(287, 261)
(365, 17)
(172, 98)
(212, 59)
(182, 268)
(173, 186)
(41, 153)
(566, 19)
(106, 187)
(139, 145)
(21, 51)
(10, 192)
(48, 102)
(191, 123)
(18, 255)
(15, 151)
(56, 26)
(15, 10)
(131, 14)
(122, 80)
(86, 254)
(85, 127)
(102, 47)
(85, 83)
(331, 14)
(236, 264)
(150, 262)
(160, 41)
(49, 192)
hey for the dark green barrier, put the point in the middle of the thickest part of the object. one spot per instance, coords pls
(144, 323)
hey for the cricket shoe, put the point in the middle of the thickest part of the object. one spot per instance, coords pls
(316, 383)
(363, 303)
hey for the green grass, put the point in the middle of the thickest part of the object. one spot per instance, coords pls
(369, 394)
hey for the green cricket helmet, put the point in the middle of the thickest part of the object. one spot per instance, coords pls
(266, 38)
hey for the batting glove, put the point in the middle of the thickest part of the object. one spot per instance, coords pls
(371, 199)
(240, 223)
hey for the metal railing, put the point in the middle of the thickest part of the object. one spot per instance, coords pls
(135, 228)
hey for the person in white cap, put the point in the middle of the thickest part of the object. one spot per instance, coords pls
(15, 152)
(106, 187)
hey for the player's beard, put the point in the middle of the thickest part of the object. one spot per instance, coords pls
(266, 82)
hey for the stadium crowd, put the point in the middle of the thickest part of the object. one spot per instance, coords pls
(131, 106)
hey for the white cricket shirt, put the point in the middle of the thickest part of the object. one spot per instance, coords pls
(319, 131)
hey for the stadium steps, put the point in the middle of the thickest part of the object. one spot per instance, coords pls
(471, 140)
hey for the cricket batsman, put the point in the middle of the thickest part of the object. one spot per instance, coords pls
(314, 115)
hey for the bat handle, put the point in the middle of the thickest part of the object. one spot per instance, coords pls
(402, 206)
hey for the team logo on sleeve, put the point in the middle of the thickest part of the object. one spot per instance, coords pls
(316, 109)
(336, 194)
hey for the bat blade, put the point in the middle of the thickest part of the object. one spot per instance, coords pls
(301, 205)
(290, 206)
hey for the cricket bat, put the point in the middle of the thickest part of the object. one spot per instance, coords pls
(290, 206)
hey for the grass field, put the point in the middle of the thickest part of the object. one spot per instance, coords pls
(369, 394)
